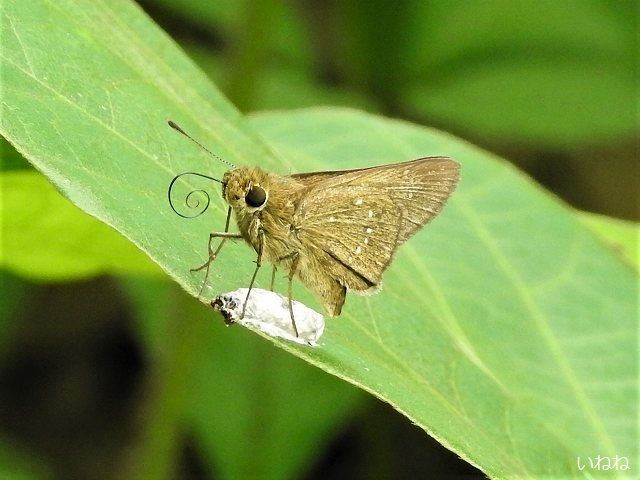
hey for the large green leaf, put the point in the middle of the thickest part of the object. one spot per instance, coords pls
(505, 329)
(505, 316)
(622, 235)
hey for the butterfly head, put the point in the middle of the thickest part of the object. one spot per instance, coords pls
(242, 189)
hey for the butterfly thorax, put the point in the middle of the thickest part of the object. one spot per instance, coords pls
(263, 204)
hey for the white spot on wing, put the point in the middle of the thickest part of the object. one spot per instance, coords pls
(370, 213)
(358, 202)
(359, 250)
(369, 230)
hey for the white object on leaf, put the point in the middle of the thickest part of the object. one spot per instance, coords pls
(269, 312)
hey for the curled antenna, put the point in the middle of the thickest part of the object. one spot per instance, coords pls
(176, 127)
(191, 202)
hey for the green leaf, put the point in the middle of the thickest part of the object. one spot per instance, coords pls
(116, 83)
(505, 329)
(622, 235)
(505, 316)
(48, 233)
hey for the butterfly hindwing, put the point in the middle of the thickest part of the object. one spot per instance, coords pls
(354, 227)
(419, 187)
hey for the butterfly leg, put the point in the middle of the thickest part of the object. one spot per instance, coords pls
(294, 266)
(294, 257)
(255, 272)
(273, 278)
(213, 254)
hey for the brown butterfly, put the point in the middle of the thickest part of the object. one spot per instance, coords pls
(335, 231)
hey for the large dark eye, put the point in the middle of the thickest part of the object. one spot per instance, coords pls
(256, 196)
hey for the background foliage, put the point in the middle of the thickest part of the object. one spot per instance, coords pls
(131, 363)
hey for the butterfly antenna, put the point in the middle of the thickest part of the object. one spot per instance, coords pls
(177, 127)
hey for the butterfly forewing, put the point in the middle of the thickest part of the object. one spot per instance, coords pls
(420, 188)
(359, 217)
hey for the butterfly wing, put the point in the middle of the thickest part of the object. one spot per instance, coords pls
(356, 229)
(359, 217)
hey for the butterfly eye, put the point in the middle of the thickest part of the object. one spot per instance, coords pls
(256, 196)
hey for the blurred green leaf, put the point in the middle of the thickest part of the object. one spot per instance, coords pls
(543, 72)
(15, 465)
(282, 86)
(10, 159)
(224, 15)
(506, 330)
(48, 238)
(549, 103)
(372, 37)
(547, 73)
(14, 292)
(622, 235)
(232, 391)
(257, 36)
(287, 32)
